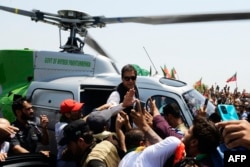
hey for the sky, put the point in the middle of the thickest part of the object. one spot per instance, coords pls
(213, 51)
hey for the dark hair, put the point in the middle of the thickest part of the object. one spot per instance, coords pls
(133, 138)
(88, 137)
(188, 162)
(173, 109)
(214, 117)
(128, 67)
(18, 104)
(206, 133)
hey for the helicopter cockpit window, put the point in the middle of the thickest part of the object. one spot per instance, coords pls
(195, 101)
(161, 102)
(115, 67)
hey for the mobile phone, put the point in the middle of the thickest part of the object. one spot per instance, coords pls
(206, 101)
(139, 105)
(227, 112)
(205, 104)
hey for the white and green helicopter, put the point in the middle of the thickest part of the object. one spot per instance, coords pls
(49, 77)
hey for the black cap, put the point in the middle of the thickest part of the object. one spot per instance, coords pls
(73, 131)
(98, 120)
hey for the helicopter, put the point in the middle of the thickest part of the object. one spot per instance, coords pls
(49, 77)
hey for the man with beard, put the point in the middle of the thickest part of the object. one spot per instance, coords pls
(29, 133)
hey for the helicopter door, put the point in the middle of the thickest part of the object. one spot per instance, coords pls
(94, 96)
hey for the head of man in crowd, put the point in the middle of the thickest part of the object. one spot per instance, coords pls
(129, 75)
(23, 109)
(134, 138)
(201, 138)
(172, 115)
(71, 110)
(78, 137)
(99, 121)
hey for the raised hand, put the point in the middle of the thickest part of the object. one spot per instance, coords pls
(129, 98)
(44, 121)
(138, 115)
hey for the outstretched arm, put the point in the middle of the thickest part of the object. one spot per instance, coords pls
(140, 121)
(118, 127)
(160, 125)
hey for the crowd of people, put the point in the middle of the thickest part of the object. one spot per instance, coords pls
(240, 100)
(120, 133)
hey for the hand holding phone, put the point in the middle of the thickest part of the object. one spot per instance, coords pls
(227, 112)
(137, 105)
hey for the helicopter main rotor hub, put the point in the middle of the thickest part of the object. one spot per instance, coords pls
(72, 14)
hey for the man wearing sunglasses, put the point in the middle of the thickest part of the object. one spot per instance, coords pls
(128, 76)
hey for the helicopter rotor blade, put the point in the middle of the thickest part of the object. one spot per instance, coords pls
(97, 47)
(78, 22)
(167, 19)
(18, 11)
(100, 21)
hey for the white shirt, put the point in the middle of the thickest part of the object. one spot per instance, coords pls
(152, 156)
(114, 98)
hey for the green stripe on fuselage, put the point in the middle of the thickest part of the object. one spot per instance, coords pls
(16, 72)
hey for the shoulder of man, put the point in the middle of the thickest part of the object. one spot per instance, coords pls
(106, 145)
(105, 152)
(114, 98)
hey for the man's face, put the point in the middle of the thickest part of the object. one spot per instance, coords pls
(129, 79)
(27, 111)
(73, 147)
(76, 147)
(75, 115)
(169, 119)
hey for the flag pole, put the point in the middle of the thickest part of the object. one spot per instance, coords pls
(236, 80)
(150, 60)
(177, 76)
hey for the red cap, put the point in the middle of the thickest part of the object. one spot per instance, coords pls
(70, 105)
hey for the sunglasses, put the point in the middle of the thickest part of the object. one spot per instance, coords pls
(128, 78)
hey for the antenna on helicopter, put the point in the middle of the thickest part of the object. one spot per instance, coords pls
(156, 72)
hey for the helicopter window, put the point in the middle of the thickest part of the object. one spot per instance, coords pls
(171, 82)
(195, 100)
(50, 98)
(46, 102)
(161, 102)
(115, 67)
